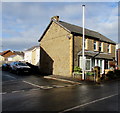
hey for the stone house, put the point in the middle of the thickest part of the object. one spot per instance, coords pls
(32, 55)
(61, 48)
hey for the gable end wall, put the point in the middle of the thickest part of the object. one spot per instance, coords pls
(56, 51)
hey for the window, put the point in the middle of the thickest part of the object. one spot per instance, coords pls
(95, 45)
(85, 43)
(100, 46)
(88, 64)
(108, 48)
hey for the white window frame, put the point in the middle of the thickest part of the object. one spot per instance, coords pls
(90, 64)
(95, 45)
(109, 48)
(97, 63)
(86, 43)
(101, 46)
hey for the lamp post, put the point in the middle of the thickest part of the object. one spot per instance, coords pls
(83, 48)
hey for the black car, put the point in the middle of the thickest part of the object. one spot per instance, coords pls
(19, 67)
(5, 67)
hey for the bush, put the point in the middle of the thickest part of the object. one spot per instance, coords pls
(77, 69)
(89, 73)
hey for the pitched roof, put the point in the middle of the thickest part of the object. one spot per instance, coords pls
(18, 53)
(32, 48)
(12, 56)
(90, 33)
(7, 53)
(74, 29)
(97, 55)
(4, 52)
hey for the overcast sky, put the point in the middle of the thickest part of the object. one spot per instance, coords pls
(24, 22)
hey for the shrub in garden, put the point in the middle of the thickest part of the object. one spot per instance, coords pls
(89, 73)
(77, 69)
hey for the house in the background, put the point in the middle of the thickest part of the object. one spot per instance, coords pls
(18, 56)
(7, 54)
(32, 55)
(1, 57)
(61, 49)
(118, 54)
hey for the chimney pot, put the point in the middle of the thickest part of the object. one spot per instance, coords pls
(56, 18)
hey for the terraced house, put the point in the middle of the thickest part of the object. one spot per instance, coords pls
(61, 48)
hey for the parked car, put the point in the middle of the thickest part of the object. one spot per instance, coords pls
(19, 67)
(5, 67)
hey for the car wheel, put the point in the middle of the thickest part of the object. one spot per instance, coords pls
(11, 71)
(17, 72)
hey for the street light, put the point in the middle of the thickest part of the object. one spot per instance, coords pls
(83, 48)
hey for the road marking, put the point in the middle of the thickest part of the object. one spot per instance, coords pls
(97, 100)
(3, 93)
(57, 86)
(17, 91)
(32, 84)
(10, 76)
(46, 87)
(8, 81)
(35, 89)
(20, 91)
(11, 82)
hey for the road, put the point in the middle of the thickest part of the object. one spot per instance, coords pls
(35, 93)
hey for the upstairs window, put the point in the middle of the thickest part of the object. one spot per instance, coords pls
(85, 43)
(100, 46)
(95, 45)
(108, 48)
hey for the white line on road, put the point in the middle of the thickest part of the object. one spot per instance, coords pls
(32, 84)
(8, 81)
(70, 109)
(3, 93)
(17, 91)
(10, 76)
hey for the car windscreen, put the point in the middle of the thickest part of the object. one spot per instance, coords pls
(22, 64)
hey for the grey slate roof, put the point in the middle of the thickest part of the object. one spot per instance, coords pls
(78, 30)
(74, 29)
(100, 56)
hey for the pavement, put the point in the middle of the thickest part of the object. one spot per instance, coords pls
(70, 79)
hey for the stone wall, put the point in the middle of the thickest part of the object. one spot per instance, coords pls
(77, 48)
(55, 51)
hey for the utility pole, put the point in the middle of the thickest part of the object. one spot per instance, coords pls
(83, 48)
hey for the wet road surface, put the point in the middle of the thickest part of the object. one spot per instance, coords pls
(34, 93)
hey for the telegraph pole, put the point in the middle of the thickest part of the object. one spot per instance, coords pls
(83, 48)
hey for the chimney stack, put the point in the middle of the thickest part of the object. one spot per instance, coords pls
(56, 18)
